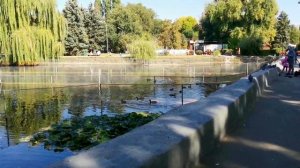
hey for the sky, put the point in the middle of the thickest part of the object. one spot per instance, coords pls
(173, 9)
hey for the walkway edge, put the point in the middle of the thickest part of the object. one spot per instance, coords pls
(179, 138)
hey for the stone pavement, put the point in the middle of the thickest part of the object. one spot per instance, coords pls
(269, 137)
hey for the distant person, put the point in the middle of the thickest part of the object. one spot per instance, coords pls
(291, 60)
(98, 53)
(285, 64)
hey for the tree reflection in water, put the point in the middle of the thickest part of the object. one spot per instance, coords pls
(27, 113)
(30, 111)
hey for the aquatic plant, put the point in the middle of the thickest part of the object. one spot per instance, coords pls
(83, 133)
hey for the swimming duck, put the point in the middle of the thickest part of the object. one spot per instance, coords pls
(172, 94)
(123, 101)
(152, 101)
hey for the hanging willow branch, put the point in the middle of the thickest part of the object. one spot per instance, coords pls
(30, 31)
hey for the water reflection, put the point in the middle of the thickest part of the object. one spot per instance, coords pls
(26, 112)
(34, 98)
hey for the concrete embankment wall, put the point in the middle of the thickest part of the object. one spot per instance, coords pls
(158, 60)
(179, 138)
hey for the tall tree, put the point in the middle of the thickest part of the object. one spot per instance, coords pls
(157, 27)
(127, 23)
(30, 31)
(170, 36)
(95, 26)
(294, 35)
(76, 41)
(107, 6)
(232, 20)
(188, 26)
(145, 15)
(283, 31)
(220, 18)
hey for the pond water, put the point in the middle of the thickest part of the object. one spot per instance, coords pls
(34, 98)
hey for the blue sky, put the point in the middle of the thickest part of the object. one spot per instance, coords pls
(173, 9)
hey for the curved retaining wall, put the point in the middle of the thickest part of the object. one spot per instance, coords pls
(179, 138)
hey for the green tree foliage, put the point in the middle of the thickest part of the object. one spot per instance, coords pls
(188, 26)
(170, 37)
(251, 45)
(157, 27)
(232, 20)
(76, 41)
(220, 18)
(283, 31)
(127, 23)
(145, 15)
(142, 49)
(294, 35)
(107, 6)
(30, 31)
(95, 27)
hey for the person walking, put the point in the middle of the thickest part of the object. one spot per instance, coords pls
(285, 64)
(291, 60)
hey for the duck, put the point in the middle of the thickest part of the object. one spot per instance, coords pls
(172, 89)
(250, 78)
(123, 101)
(152, 101)
(190, 86)
(172, 95)
(198, 83)
(180, 91)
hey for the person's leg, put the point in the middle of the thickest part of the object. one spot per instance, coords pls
(291, 66)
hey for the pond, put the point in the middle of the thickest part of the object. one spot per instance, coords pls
(34, 98)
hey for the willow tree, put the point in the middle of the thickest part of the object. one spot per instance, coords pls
(142, 49)
(233, 20)
(30, 31)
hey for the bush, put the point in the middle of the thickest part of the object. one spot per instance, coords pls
(199, 52)
(141, 49)
(251, 46)
(217, 53)
(227, 52)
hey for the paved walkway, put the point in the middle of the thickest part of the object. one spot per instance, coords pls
(270, 137)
